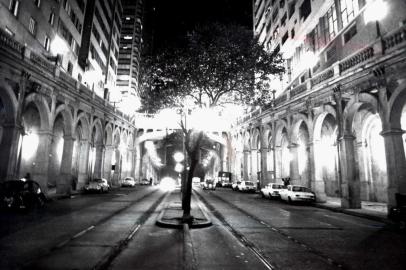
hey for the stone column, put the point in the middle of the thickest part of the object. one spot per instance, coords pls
(350, 184)
(364, 181)
(254, 165)
(98, 161)
(237, 165)
(295, 178)
(64, 183)
(277, 162)
(40, 173)
(83, 176)
(246, 165)
(317, 182)
(137, 167)
(108, 154)
(9, 153)
(264, 168)
(395, 162)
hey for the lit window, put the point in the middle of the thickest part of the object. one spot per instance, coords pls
(13, 7)
(47, 43)
(32, 26)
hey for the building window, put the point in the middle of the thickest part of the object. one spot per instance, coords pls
(51, 18)
(47, 43)
(70, 68)
(350, 33)
(32, 26)
(13, 7)
(305, 9)
(285, 37)
(348, 10)
(291, 8)
(329, 25)
(37, 3)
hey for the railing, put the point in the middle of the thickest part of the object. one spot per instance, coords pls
(298, 89)
(395, 39)
(356, 59)
(329, 73)
(6, 40)
(9, 45)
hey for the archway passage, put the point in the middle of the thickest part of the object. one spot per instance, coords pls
(56, 150)
(302, 155)
(326, 156)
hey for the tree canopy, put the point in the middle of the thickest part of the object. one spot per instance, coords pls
(217, 64)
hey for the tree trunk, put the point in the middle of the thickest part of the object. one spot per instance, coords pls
(187, 194)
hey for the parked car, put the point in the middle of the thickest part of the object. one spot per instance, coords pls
(128, 182)
(97, 185)
(272, 190)
(247, 186)
(209, 184)
(144, 181)
(297, 193)
(234, 185)
(19, 194)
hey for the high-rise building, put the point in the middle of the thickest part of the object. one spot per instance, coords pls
(130, 52)
(100, 44)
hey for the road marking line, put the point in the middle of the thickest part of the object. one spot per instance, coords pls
(133, 232)
(83, 232)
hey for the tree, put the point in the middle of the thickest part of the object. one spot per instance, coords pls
(216, 65)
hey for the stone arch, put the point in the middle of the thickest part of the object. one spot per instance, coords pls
(108, 134)
(396, 104)
(357, 103)
(9, 137)
(80, 155)
(42, 107)
(299, 120)
(282, 152)
(281, 126)
(61, 150)
(83, 121)
(246, 140)
(255, 138)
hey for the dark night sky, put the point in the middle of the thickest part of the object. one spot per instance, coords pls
(172, 19)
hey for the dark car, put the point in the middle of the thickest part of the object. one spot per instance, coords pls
(19, 194)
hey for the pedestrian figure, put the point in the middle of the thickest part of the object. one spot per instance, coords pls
(150, 181)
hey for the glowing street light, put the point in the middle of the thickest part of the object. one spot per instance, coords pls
(179, 157)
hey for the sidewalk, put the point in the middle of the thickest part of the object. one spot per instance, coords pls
(171, 214)
(370, 210)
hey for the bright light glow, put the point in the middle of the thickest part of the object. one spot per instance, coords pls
(58, 46)
(152, 153)
(59, 149)
(128, 37)
(179, 156)
(309, 60)
(375, 11)
(302, 157)
(179, 167)
(326, 152)
(167, 184)
(30, 145)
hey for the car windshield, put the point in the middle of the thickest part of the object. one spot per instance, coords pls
(277, 186)
(98, 180)
(128, 179)
(249, 183)
(301, 189)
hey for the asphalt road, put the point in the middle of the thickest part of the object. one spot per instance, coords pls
(304, 237)
(118, 231)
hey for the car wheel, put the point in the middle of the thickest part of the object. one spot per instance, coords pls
(270, 196)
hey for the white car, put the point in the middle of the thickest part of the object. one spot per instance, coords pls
(128, 182)
(297, 193)
(97, 185)
(234, 185)
(272, 190)
(247, 186)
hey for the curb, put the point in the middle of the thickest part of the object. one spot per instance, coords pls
(189, 261)
(177, 224)
(352, 213)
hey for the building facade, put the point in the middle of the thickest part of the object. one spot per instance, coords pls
(337, 122)
(54, 124)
